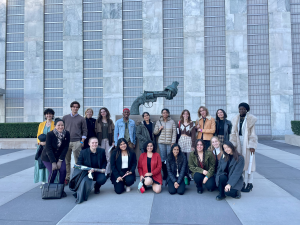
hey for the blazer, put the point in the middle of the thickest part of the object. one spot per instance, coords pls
(143, 135)
(235, 171)
(84, 158)
(209, 164)
(52, 153)
(172, 169)
(209, 128)
(155, 166)
(116, 165)
(227, 129)
(41, 129)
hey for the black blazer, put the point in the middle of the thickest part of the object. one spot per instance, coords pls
(84, 158)
(52, 153)
(116, 165)
(172, 169)
(227, 129)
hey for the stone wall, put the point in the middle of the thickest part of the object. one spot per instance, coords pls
(2, 57)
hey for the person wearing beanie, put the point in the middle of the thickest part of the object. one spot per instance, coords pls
(244, 138)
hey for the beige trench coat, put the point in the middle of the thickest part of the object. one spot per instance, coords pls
(250, 138)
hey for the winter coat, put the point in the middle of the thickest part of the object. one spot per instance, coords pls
(227, 129)
(143, 135)
(172, 168)
(209, 164)
(168, 133)
(98, 131)
(209, 128)
(249, 136)
(155, 166)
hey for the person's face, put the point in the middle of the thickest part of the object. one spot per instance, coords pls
(89, 114)
(227, 149)
(103, 113)
(93, 143)
(220, 114)
(242, 110)
(126, 113)
(123, 146)
(186, 115)
(215, 143)
(203, 112)
(49, 116)
(59, 126)
(75, 108)
(199, 146)
(146, 117)
(175, 151)
(150, 147)
(165, 114)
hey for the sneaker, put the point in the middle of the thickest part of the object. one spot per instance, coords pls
(191, 178)
(238, 195)
(128, 189)
(220, 197)
(66, 182)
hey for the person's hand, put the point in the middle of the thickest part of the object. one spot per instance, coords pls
(227, 187)
(198, 126)
(82, 142)
(172, 144)
(252, 150)
(42, 143)
(128, 172)
(193, 149)
(119, 179)
(148, 174)
(204, 180)
(204, 172)
(91, 171)
(58, 164)
(141, 178)
(161, 127)
(176, 185)
(54, 166)
(200, 130)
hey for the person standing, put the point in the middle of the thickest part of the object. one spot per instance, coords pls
(144, 131)
(205, 125)
(244, 138)
(223, 126)
(41, 175)
(76, 125)
(104, 130)
(167, 129)
(125, 128)
(90, 124)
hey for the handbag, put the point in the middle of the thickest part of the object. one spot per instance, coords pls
(52, 190)
(41, 164)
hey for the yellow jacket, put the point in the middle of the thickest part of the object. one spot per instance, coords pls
(41, 129)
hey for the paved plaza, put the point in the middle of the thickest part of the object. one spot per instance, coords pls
(275, 198)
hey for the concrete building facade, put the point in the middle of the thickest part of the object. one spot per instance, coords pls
(106, 52)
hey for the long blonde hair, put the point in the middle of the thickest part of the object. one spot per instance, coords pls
(211, 147)
(88, 110)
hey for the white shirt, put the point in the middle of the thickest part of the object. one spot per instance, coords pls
(124, 162)
(217, 150)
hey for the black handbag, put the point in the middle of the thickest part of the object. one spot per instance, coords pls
(52, 190)
(41, 164)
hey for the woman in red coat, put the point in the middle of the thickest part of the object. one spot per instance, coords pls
(149, 167)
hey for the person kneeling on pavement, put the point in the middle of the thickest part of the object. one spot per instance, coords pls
(92, 157)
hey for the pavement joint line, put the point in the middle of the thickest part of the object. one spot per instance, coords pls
(7, 158)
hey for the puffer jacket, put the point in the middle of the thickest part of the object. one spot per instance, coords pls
(168, 133)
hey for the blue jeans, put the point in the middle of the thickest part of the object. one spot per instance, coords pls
(164, 151)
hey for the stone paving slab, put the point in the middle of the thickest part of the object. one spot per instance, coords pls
(6, 158)
(8, 151)
(10, 168)
(282, 146)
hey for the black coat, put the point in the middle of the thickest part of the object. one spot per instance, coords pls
(90, 124)
(84, 158)
(172, 169)
(52, 153)
(227, 129)
(235, 171)
(143, 135)
(116, 165)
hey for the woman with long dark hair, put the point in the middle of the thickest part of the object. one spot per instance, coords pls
(223, 126)
(229, 177)
(176, 166)
(104, 129)
(123, 163)
(202, 165)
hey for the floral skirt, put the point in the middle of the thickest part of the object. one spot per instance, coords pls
(185, 143)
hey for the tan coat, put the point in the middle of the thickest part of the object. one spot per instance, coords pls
(209, 128)
(168, 133)
(250, 138)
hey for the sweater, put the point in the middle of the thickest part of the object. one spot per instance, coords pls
(76, 126)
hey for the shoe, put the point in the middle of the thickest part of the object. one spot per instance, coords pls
(200, 190)
(244, 187)
(128, 189)
(191, 178)
(248, 188)
(66, 182)
(75, 195)
(220, 197)
(64, 195)
(238, 195)
(96, 189)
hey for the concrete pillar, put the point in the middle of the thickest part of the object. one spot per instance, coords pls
(236, 55)
(33, 61)
(2, 57)
(72, 55)
(281, 76)
(112, 56)
(194, 70)
(153, 51)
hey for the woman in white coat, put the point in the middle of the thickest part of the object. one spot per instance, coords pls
(244, 139)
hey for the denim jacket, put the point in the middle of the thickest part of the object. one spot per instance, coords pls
(120, 130)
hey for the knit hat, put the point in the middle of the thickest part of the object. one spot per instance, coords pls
(244, 104)
(42, 137)
(126, 109)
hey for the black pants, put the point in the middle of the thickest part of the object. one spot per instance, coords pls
(172, 190)
(207, 144)
(128, 181)
(100, 179)
(222, 183)
(210, 183)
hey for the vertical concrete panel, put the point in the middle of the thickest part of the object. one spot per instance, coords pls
(194, 70)
(153, 51)
(236, 55)
(33, 61)
(72, 55)
(281, 76)
(2, 57)
(112, 56)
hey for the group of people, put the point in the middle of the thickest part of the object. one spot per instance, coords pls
(215, 153)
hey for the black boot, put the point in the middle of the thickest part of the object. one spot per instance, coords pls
(165, 172)
(248, 188)
(244, 187)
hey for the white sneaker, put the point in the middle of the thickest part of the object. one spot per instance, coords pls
(128, 189)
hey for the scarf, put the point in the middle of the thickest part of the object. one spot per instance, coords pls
(60, 136)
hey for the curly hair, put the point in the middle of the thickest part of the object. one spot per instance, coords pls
(49, 111)
(146, 144)
(99, 120)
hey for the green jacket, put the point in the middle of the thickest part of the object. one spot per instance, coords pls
(209, 164)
